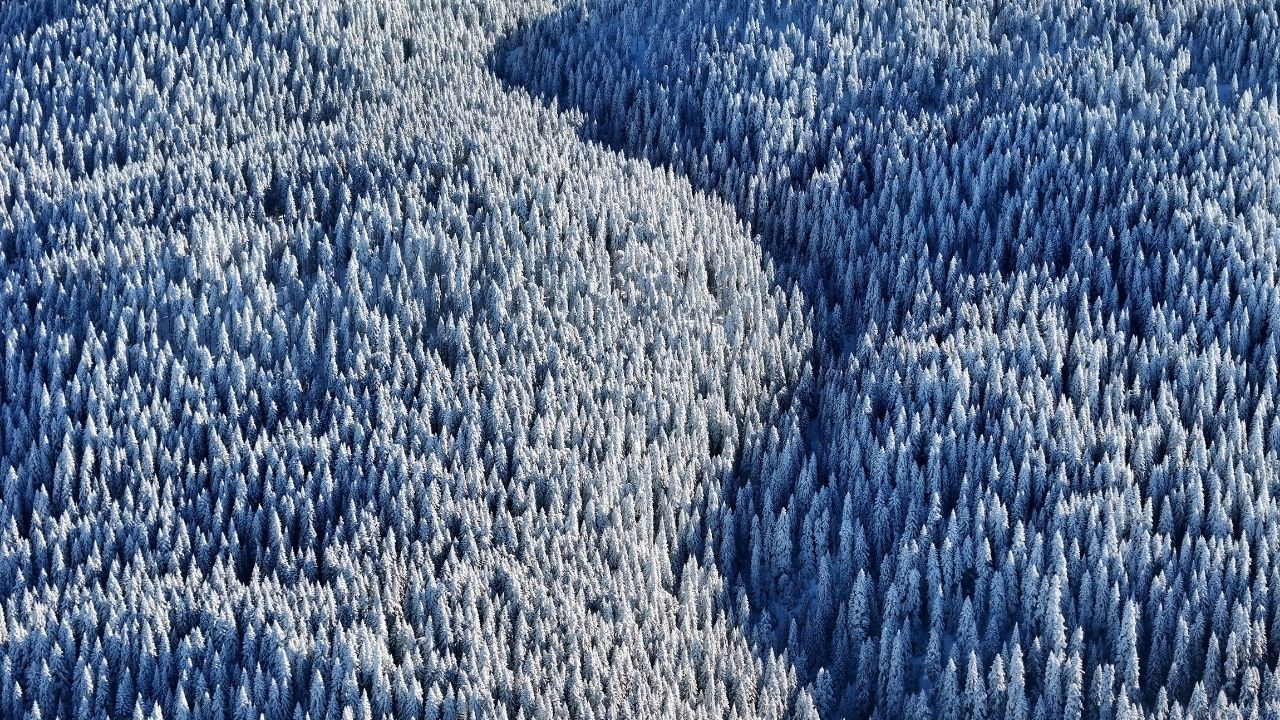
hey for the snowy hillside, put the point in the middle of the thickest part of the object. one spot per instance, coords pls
(648, 359)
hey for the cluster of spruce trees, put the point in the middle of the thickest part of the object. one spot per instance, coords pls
(339, 381)
(919, 361)
(1033, 475)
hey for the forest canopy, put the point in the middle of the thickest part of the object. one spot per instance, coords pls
(667, 358)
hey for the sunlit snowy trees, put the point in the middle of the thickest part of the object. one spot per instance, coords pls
(673, 358)
(339, 381)
(1036, 246)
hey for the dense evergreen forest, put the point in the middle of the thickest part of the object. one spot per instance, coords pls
(651, 359)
